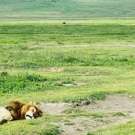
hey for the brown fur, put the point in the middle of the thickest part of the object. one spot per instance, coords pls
(18, 110)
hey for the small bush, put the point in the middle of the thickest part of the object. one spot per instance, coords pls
(63, 22)
(22, 83)
(4, 73)
(36, 78)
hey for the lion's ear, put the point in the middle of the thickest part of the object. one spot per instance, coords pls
(9, 108)
(38, 104)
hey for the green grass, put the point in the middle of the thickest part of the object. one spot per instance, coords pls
(37, 127)
(122, 129)
(66, 62)
(57, 34)
(63, 9)
(32, 45)
(53, 62)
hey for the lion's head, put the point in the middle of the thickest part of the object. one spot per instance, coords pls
(20, 110)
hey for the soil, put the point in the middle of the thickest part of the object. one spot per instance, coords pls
(116, 109)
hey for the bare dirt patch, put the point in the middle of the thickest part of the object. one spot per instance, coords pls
(115, 109)
(113, 103)
(55, 108)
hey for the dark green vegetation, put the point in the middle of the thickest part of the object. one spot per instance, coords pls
(65, 9)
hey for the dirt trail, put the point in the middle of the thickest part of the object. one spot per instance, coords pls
(116, 109)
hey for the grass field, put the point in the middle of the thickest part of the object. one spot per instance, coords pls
(49, 56)
(63, 9)
(55, 62)
(87, 59)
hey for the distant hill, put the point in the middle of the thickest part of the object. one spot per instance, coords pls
(65, 9)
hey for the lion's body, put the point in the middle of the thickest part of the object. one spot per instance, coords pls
(16, 110)
(5, 115)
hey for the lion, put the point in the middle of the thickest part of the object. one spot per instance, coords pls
(17, 110)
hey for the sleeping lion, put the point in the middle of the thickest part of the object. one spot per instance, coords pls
(16, 110)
